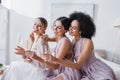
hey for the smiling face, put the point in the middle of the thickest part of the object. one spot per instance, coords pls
(58, 28)
(74, 28)
(38, 27)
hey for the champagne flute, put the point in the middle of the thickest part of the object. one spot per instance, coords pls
(18, 38)
(44, 50)
(27, 44)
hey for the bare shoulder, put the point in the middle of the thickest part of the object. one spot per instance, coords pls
(66, 41)
(88, 40)
(88, 43)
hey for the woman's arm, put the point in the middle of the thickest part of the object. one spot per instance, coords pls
(20, 51)
(53, 39)
(41, 61)
(87, 48)
(45, 37)
(32, 36)
(63, 50)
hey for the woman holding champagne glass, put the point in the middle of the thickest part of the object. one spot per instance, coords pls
(30, 69)
(62, 51)
(90, 68)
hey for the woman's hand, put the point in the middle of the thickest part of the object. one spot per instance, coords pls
(19, 50)
(29, 60)
(31, 54)
(32, 36)
(45, 37)
(49, 58)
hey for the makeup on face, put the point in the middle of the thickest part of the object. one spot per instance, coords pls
(74, 25)
(57, 25)
(38, 26)
(74, 28)
(38, 23)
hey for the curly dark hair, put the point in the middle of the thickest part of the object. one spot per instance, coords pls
(65, 22)
(86, 24)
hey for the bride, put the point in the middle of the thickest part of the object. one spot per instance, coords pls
(30, 69)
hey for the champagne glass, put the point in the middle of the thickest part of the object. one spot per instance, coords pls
(44, 50)
(19, 38)
(27, 44)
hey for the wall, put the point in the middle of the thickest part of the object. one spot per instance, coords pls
(106, 11)
(18, 24)
(4, 31)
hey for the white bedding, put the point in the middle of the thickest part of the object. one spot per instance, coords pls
(114, 66)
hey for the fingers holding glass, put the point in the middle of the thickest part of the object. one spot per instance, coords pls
(45, 37)
(19, 50)
(30, 54)
(49, 58)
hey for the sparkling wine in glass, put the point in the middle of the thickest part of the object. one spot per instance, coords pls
(27, 44)
(44, 50)
(19, 38)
